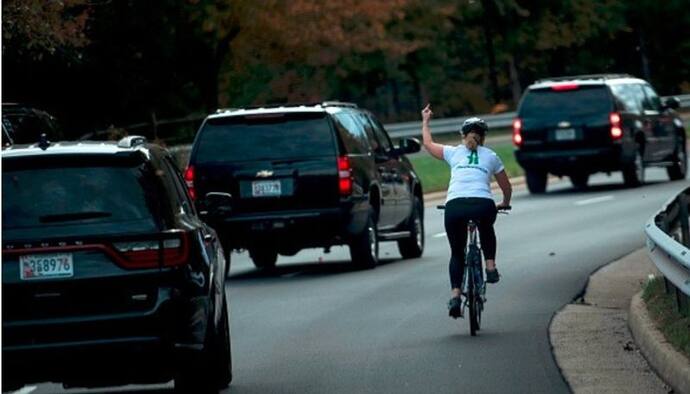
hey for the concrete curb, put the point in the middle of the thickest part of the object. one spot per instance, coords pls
(672, 366)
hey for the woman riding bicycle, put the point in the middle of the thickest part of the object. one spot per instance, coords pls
(469, 198)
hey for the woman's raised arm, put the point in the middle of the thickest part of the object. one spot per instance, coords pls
(436, 150)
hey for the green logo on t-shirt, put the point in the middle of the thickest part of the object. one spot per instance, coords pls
(473, 158)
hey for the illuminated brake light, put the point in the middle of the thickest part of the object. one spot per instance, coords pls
(146, 254)
(517, 131)
(565, 86)
(344, 176)
(189, 175)
(616, 129)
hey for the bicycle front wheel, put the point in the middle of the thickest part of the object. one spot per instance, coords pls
(472, 300)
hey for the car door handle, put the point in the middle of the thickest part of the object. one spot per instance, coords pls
(209, 238)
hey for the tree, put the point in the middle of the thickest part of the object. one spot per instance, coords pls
(38, 27)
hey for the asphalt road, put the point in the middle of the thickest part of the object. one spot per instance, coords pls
(317, 326)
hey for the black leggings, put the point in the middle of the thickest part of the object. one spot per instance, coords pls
(459, 211)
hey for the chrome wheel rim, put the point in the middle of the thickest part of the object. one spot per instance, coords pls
(419, 235)
(373, 244)
(639, 167)
(682, 161)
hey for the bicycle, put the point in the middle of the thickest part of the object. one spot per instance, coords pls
(474, 286)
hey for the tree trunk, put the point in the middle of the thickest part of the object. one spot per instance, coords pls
(220, 53)
(514, 80)
(490, 53)
(644, 59)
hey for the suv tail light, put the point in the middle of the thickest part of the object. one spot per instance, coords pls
(189, 179)
(517, 131)
(145, 254)
(344, 176)
(565, 86)
(616, 129)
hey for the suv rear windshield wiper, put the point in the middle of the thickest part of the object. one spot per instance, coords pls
(67, 217)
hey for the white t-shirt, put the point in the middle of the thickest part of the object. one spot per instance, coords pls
(471, 172)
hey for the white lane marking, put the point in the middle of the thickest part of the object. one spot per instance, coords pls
(439, 235)
(594, 200)
(25, 390)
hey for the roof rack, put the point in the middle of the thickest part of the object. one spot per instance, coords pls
(293, 105)
(221, 110)
(585, 76)
(131, 141)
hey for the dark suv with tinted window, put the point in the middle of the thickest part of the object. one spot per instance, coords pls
(577, 126)
(108, 275)
(306, 176)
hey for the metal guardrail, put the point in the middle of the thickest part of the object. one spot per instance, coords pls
(668, 238)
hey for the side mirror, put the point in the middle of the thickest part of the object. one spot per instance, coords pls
(218, 203)
(672, 103)
(410, 145)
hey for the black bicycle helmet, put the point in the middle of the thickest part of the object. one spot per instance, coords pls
(474, 124)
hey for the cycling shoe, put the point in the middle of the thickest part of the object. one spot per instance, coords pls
(455, 307)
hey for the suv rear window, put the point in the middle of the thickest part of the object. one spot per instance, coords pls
(265, 137)
(547, 103)
(76, 195)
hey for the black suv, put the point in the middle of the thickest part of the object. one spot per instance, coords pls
(306, 176)
(108, 274)
(577, 126)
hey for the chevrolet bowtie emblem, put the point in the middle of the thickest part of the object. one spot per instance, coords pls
(264, 174)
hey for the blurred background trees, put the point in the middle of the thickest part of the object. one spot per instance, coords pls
(93, 63)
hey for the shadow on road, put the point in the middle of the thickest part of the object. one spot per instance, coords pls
(306, 269)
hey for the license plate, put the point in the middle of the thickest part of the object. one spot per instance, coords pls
(565, 134)
(46, 266)
(266, 188)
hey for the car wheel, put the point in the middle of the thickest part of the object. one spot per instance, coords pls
(211, 371)
(633, 174)
(413, 246)
(579, 181)
(678, 170)
(263, 258)
(536, 181)
(364, 247)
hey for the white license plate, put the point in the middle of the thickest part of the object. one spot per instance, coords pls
(565, 134)
(46, 266)
(266, 188)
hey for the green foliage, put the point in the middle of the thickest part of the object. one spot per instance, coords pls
(97, 63)
(663, 310)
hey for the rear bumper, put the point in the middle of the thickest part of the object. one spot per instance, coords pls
(124, 347)
(295, 229)
(564, 162)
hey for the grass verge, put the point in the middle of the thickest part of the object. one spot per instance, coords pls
(662, 308)
(436, 173)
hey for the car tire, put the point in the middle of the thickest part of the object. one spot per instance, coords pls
(364, 247)
(212, 370)
(579, 181)
(536, 181)
(263, 258)
(678, 170)
(413, 247)
(633, 174)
